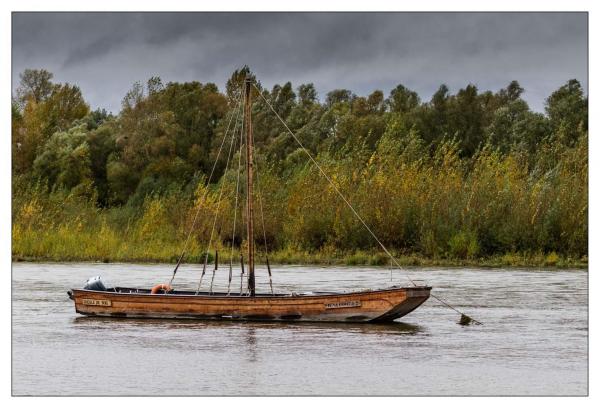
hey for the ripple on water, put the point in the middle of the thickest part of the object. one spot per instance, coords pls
(533, 341)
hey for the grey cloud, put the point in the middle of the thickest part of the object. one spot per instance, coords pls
(96, 48)
(105, 52)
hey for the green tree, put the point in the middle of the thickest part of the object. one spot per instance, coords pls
(307, 94)
(465, 119)
(235, 83)
(165, 135)
(568, 112)
(515, 126)
(283, 99)
(65, 160)
(27, 136)
(432, 119)
(101, 145)
(34, 84)
(512, 92)
(64, 105)
(339, 96)
(98, 117)
(403, 100)
(46, 108)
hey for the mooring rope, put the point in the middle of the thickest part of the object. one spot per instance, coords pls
(464, 318)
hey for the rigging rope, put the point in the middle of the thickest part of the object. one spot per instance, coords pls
(262, 218)
(218, 207)
(244, 213)
(332, 183)
(464, 318)
(239, 100)
(235, 208)
(212, 280)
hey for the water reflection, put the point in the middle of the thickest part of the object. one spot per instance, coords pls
(250, 337)
(392, 328)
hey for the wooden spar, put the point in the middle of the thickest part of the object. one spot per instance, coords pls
(250, 182)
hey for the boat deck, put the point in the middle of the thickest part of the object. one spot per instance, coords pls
(142, 291)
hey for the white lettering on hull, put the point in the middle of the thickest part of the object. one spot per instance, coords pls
(339, 305)
(96, 302)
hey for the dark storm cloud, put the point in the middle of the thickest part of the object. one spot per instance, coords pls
(106, 52)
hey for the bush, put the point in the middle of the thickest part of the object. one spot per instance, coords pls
(463, 245)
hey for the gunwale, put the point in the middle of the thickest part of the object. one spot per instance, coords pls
(258, 296)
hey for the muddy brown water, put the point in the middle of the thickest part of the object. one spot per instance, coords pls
(534, 340)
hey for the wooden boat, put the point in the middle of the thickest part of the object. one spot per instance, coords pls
(382, 305)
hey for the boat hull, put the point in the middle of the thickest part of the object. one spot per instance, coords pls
(366, 306)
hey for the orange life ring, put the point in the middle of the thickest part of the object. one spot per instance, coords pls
(161, 286)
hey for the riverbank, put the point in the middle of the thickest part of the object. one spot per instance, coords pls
(356, 258)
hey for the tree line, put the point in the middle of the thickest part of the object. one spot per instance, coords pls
(466, 174)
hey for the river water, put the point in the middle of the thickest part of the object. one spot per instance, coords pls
(534, 340)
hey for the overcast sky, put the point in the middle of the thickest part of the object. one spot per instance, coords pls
(104, 53)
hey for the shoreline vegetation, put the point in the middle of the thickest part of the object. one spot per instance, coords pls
(466, 179)
(359, 258)
(59, 228)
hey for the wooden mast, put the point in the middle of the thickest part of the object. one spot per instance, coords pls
(250, 182)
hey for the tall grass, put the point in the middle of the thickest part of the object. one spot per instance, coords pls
(427, 207)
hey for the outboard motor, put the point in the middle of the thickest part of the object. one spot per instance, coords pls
(94, 283)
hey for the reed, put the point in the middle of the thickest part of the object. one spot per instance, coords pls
(430, 209)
